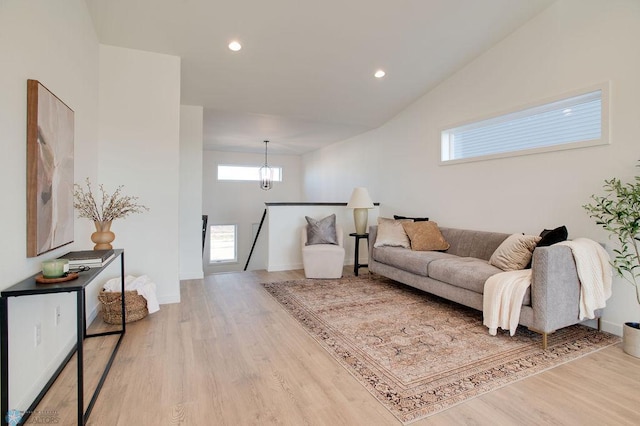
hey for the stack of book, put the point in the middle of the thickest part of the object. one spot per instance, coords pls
(89, 258)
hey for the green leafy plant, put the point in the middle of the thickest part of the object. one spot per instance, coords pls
(619, 213)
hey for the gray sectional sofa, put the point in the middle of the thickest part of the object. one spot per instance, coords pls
(459, 273)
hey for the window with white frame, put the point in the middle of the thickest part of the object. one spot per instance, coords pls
(571, 122)
(245, 173)
(223, 243)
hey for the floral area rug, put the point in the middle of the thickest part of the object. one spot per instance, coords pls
(416, 353)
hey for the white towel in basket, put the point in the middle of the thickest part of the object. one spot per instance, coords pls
(143, 285)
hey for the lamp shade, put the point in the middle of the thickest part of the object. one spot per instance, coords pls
(360, 199)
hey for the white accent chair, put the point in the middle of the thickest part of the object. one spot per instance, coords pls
(323, 260)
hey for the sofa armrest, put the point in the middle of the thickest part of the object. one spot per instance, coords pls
(373, 232)
(555, 288)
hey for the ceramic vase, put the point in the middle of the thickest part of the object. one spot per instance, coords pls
(631, 338)
(103, 237)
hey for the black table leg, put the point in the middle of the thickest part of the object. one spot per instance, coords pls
(80, 323)
(356, 264)
(4, 344)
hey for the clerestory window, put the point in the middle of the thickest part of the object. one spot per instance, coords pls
(572, 122)
(245, 173)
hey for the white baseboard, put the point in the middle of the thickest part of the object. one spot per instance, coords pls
(296, 266)
(611, 327)
(92, 314)
(192, 276)
(169, 298)
(285, 267)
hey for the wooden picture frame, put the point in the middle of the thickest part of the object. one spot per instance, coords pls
(50, 133)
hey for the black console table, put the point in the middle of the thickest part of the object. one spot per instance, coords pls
(29, 287)
(356, 262)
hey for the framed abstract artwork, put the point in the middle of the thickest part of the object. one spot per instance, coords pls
(50, 130)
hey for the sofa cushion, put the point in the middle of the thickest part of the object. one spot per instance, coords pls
(425, 236)
(416, 262)
(468, 243)
(391, 233)
(468, 273)
(465, 272)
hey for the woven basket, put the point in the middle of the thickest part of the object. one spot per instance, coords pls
(135, 306)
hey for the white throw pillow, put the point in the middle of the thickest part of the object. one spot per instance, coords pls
(515, 252)
(391, 233)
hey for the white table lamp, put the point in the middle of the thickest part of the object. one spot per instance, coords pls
(360, 202)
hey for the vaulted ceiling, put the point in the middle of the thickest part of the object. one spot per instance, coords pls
(304, 76)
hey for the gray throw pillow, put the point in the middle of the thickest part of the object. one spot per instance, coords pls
(322, 231)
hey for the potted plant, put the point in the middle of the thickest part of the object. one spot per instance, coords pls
(619, 213)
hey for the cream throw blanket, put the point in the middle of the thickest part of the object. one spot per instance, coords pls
(595, 273)
(502, 299)
(504, 292)
(143, 285)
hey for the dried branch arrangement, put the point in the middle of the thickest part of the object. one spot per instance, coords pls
(114, 206)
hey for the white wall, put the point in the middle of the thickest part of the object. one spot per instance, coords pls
(139, 131)
(53, 42)
(571, 45)
(190, 192)
(285, 224)
(242, 203)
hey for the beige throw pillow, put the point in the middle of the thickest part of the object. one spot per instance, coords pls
(391, 233)
(515, 252)
(425, 236)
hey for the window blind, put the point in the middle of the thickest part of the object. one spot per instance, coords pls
(570, 120)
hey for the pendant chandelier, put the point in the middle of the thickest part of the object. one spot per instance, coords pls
(266, 174)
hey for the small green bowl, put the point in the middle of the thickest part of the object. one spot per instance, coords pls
(55, 268)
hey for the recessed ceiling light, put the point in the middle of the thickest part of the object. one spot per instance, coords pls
(379, 74)
(235, 46)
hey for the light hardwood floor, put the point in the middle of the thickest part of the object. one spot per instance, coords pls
(230, 355)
